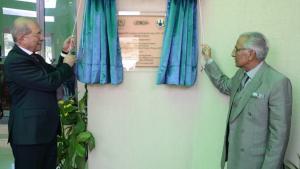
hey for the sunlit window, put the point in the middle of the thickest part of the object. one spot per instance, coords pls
(48, 3)
(8, 43)
(48, 50)
(49, 19)
(58, 23)
(19, 12)
(32, 1)
(25, 13)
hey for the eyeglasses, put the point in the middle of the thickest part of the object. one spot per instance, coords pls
(240, 49)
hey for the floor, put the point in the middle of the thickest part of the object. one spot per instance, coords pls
(6, 157)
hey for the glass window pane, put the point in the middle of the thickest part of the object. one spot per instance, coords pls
(9, 11)
(8, 43)
(59, 22)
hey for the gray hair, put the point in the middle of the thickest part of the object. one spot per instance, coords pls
(21, 27)
(257, 42)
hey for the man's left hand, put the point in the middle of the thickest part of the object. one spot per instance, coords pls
(69, 44)
(206, 52)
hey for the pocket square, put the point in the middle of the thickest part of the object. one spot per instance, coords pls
(258, 95)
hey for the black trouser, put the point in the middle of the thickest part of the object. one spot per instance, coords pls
(1, 111)
(38, 156)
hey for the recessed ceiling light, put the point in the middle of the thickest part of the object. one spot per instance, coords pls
(26, 13)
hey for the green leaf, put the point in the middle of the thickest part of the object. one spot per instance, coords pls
(80, 150)
(80, 127)
(91, 143)
(80, 162)
(76, 140)
(84, 136)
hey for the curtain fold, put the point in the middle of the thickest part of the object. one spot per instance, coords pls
(99, 55)
(179, 56)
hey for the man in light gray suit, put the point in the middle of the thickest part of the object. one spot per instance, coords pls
(259, 117)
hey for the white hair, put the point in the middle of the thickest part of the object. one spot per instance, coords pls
(257, 42)
(21, 27)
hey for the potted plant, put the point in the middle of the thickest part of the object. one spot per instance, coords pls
(75, 140)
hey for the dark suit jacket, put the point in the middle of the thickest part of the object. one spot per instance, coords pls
(32, 83)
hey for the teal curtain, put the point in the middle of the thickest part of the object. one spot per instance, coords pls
(179, 57)
(99, 56)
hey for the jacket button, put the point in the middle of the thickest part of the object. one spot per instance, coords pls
(249, 113)
(242, 149)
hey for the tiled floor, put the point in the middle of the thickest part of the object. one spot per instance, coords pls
(6, 157)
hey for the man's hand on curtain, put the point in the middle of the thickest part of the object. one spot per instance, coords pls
(206, 52)
(69, 44)
(70, 60)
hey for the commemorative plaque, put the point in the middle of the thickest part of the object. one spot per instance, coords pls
(141, 39)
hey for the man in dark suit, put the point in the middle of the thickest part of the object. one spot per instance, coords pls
(34, 119)
(259, 117)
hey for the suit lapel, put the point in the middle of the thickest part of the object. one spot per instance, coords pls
(236, 83)
(246, 93)
(25, 55)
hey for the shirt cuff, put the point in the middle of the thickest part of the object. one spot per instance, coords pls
(63, 54)
(209, 61)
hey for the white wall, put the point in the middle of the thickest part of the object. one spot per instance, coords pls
(141, 125)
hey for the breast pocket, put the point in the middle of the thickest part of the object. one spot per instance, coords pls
(258, 107)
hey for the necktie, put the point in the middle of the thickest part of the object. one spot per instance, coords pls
(34, 55)
(244, 81)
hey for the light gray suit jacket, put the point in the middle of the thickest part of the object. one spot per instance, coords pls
(259, 118)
